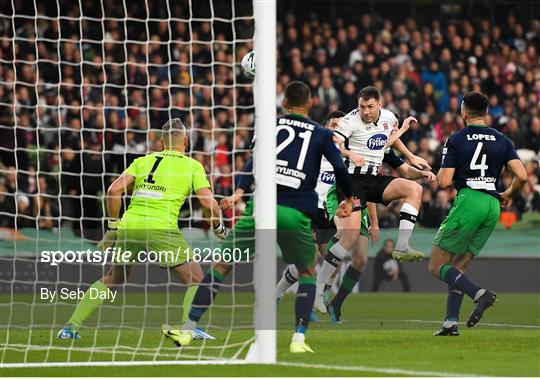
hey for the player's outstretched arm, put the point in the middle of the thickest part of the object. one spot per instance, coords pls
(416, 161)
(410, 172)
(520, 178)
(244, 184)
(211, 211)
(398, 132)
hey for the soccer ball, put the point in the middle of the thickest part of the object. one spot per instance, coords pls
(390, 266)
(248, 65)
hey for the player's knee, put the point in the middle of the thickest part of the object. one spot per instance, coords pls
(415, 190)
(434, 268)
(359, 262)
(196, 276)
(348, 238)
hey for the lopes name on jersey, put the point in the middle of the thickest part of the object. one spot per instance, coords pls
(478, 154)
(366, 138)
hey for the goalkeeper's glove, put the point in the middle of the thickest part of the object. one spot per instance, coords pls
(220, 231)
(109, 238)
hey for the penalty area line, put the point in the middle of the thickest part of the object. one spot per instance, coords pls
(381, 370)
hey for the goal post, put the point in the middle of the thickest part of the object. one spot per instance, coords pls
(265, 190)
(88, 86)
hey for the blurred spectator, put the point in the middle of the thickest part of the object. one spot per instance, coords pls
(386, 268)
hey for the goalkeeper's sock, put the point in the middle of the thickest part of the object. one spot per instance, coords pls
(349, 280)
(332, 259)
(457, 280)
(407, 219)
(91, 300)
(186, 303)
(205, 295)
(305, 297)
(453, 304)
(287, 280)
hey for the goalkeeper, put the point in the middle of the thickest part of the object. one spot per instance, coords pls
(302, 143)
(159, 183)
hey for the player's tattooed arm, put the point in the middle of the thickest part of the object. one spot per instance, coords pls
(374, 233)
(416, 161)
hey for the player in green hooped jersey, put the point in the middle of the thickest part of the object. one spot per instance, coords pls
(473, 159)
(159, 184)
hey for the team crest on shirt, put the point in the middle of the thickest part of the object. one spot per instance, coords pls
(385, 125)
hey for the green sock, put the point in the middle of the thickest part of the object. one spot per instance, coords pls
(88, 305)
(330, 243)
(186, 304)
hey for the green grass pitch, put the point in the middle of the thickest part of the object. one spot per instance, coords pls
(382, 334)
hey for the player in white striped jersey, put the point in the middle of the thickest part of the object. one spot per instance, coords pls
(364, 133)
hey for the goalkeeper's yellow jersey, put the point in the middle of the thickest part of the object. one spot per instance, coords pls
(163, 181)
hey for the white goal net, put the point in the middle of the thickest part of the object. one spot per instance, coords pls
(85, 89)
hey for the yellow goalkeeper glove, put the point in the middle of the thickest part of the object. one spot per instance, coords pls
(109, 238)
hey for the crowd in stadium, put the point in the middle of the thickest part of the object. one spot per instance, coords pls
(423, 71)
(92, 107)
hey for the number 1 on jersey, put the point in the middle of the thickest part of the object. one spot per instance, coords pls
(150, 177)
(482, 166)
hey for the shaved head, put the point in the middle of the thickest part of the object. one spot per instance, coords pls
(173, 133)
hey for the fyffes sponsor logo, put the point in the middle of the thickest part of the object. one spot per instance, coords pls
(328, 177)
(377, 142)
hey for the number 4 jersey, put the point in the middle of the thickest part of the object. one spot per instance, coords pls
(163, 181)
(478, 154)
(301, 143)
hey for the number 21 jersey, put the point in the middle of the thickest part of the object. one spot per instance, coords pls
(301, 143)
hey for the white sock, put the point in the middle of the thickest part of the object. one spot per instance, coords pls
(407, 219)
(299, 337)
(287, 280)
(327, 269)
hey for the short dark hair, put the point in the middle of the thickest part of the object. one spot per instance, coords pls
(297, 93)
(173, 125)
(369, 92)
(334, 114)
(476, 103)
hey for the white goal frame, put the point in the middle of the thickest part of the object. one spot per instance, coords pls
(263, 348)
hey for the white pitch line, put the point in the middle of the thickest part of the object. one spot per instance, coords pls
(122, 363)
(381, 370)
(481, 323)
